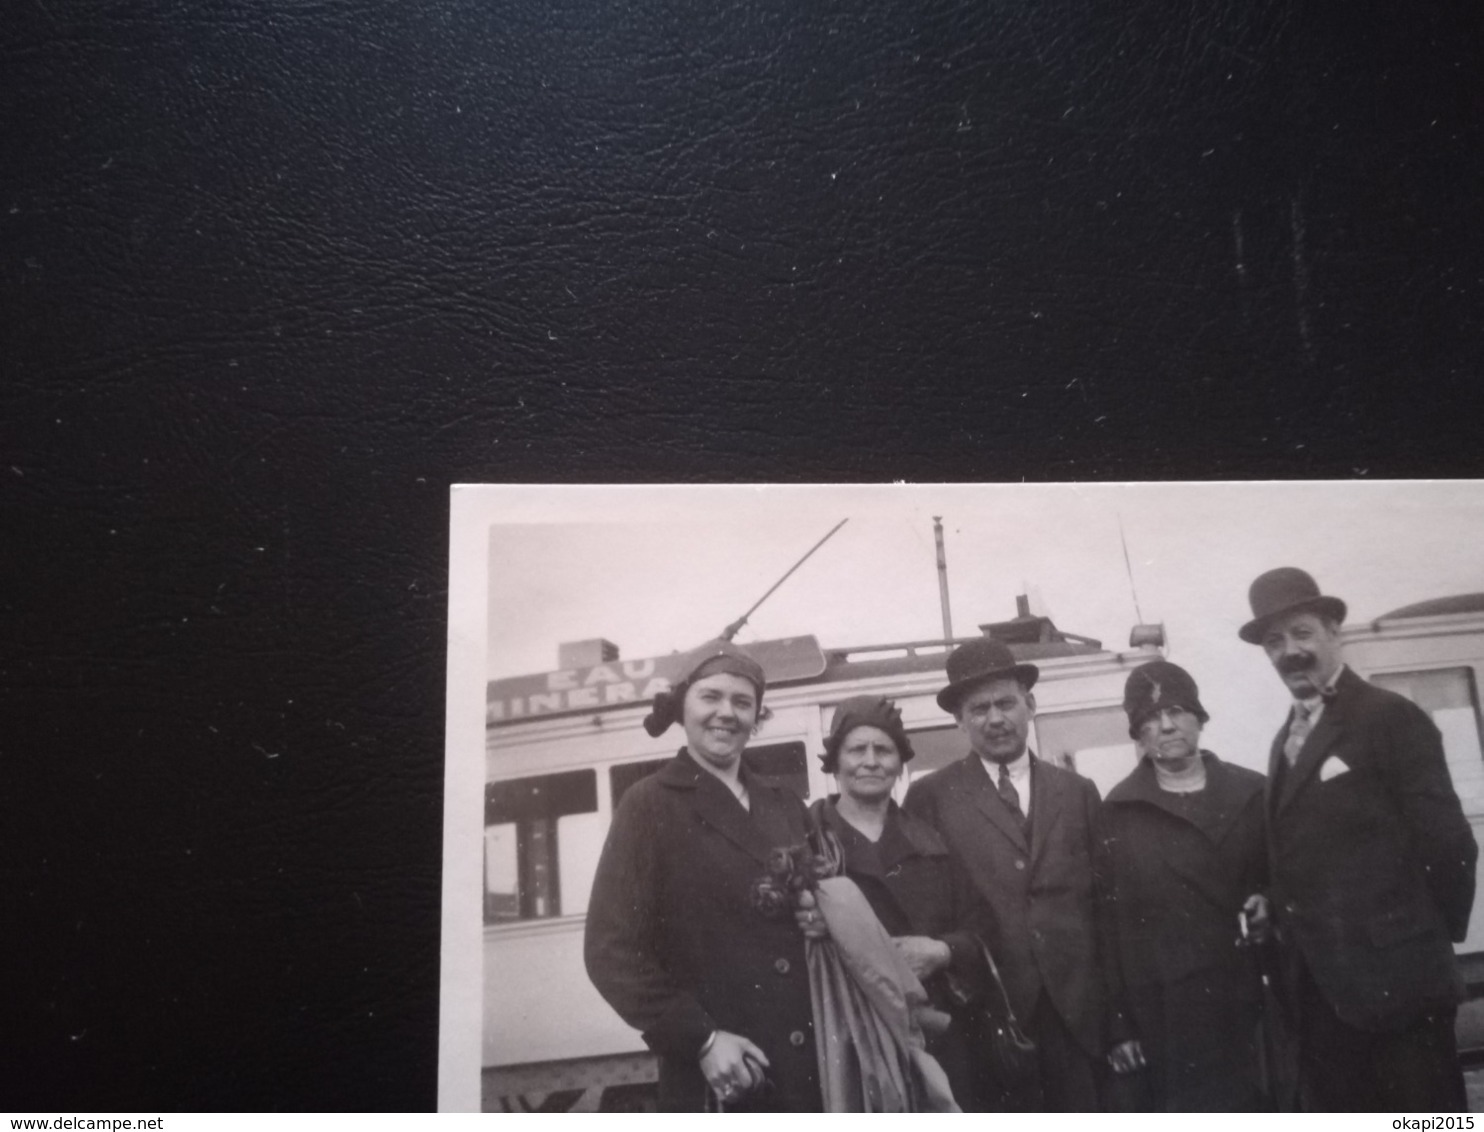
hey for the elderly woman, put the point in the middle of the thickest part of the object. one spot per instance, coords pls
(718, 990)
(917, 890)
(1182, 850)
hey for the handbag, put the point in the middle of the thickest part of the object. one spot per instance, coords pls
(1010, 1054)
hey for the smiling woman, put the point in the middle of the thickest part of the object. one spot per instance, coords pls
(673, 943)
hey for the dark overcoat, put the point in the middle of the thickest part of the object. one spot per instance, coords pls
(1039, 889)
(675, 946)
(1372, 858)
(915, 887)
(1179, 867)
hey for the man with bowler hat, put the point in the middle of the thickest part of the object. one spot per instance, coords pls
(1024, 831)
(1372, 868)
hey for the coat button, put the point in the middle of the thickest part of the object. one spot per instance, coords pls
(1019, 864)
(796, 1038)
(781, 966)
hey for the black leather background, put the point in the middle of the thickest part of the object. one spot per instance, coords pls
(273, 275)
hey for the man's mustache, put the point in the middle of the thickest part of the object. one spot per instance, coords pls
(1296, 663)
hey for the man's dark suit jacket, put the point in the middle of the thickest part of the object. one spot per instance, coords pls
(1372, 859)
(1041, 889)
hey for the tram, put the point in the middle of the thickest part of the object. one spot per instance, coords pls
(562, 747)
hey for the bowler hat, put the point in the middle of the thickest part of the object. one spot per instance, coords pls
(978, 662)
(1286, 590)
(864, 711)
(1156, 686)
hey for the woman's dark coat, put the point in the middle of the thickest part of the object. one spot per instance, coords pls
(915, 887)
(674, 945)
(1178, 869)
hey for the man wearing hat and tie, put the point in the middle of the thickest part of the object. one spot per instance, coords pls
(1024, 831)
(1372, 868)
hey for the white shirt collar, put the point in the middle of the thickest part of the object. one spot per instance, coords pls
(1019, 768)
(1020, 774)
(1315, 703)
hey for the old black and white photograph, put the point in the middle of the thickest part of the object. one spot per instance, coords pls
(996, 798)
(891, 797)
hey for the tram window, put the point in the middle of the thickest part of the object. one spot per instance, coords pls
(501, 873)
(1450, 697)
(522, 866)
(1094, 743)
(784, 762)
(935, 748)
(621, 777)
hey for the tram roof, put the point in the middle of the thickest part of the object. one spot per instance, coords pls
(932, 656)
(1438, 607)
(790, 661)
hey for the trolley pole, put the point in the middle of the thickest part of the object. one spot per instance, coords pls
(942, 578)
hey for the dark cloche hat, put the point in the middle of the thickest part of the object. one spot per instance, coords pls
(1158, 685)
(864, 711)
(976, 663)
(1285, 590)
(718, 655)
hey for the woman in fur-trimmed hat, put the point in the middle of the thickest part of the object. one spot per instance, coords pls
(716, 987)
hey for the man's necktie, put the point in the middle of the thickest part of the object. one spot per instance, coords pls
(1010, 794)
(1298, 731)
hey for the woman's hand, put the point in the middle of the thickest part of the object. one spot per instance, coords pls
(923, 954)
(733, 1066)
(1126, 1057)
(809, 918)
(1259, 918)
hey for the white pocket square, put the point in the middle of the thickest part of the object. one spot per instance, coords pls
(1332, 768)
